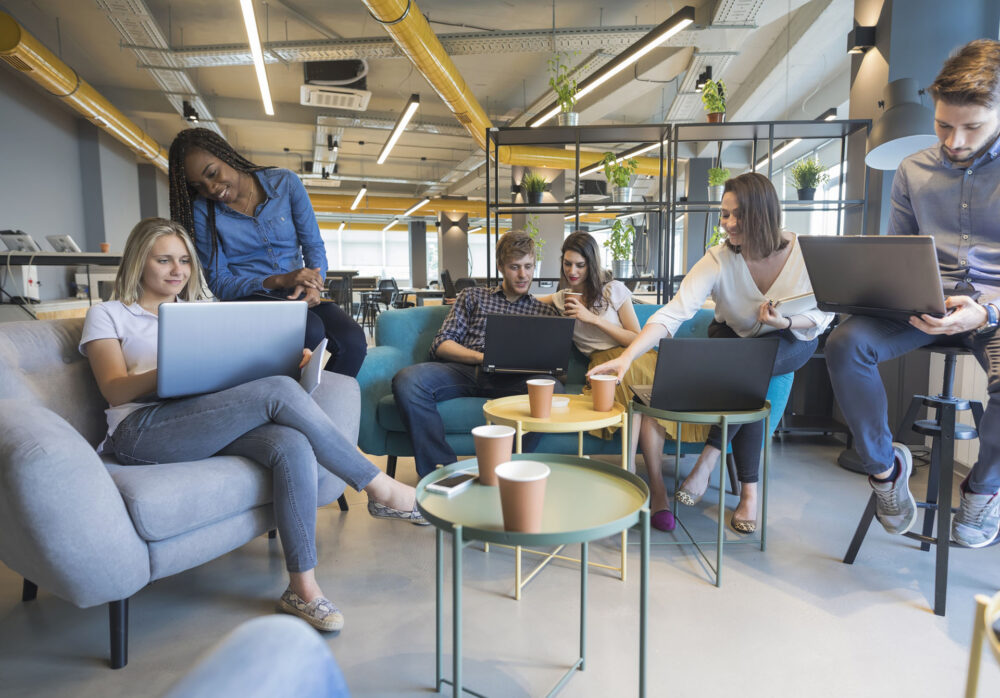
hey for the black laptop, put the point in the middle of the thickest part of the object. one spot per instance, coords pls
(892, 276)
(527, 344)
(710, 375)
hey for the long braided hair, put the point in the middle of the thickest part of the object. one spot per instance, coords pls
(182, 195)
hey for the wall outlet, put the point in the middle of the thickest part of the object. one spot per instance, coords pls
(27, 286)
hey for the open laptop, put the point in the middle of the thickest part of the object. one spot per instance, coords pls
(205, 347)
(710, 375)
(527, 344)
(893, 276)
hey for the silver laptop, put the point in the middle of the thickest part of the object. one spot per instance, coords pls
(709, 375)
(893, 276)
(63, 243)
(527, 344)
(205, 347)
(19, 241)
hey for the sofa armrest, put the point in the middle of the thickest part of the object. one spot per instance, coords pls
(63, 523)
(375, 381)
(340, 397)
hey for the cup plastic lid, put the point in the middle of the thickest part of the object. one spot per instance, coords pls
(493, 430)
(604, 377)
(560, 402)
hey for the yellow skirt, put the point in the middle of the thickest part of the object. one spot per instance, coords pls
(640, 373)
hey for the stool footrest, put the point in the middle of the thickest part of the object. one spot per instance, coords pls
(961, 404)
(929, 427)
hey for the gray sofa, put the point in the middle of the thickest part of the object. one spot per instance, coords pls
(95, 532)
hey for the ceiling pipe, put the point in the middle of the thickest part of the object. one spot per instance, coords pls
(25, 53)
(395, 206)
(403, 21)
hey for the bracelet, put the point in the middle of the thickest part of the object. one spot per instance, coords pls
(789, 323)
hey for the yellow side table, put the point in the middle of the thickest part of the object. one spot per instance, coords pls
(578, 416)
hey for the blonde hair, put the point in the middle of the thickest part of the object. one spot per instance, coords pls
(128, 282)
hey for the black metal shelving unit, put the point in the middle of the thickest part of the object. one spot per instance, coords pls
(633, 136)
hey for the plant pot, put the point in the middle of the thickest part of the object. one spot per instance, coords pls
(807, 194)
(534, 197)
(715, 117)
(622, 268)
(568, 118)
(715, 193)
(621, 195)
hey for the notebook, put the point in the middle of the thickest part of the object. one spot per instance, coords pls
(527, 344)
(206, 347)
(893, 276)
(710, 375)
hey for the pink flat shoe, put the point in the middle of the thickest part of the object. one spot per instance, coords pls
(663, 520)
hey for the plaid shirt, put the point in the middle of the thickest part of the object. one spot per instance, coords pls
(466, 323)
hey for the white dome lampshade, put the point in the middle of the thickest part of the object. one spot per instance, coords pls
(905, 126)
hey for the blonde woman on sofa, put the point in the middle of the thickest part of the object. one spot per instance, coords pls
(757, 263)
(272, 421)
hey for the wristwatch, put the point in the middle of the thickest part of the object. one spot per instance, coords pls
(992, 320)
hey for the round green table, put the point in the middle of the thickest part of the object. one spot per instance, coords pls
(585, 500)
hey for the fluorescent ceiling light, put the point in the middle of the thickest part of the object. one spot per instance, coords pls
(829, 115)
(393, 222)
(472, 230)
(397, 130)
(778, 151)
(361, 193)
(258, 55)
(677, 22)
(632, 152)
(414, 207)
(341, 228)
(569, 217)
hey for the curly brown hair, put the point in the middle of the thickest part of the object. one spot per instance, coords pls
(970, 76)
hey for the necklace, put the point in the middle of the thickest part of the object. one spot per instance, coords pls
(249, 205)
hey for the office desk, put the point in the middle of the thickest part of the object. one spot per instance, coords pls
(419, 294)
(63, 259)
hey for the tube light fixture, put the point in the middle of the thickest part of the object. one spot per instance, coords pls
(631, 152)
(342, 226)
(397, 130)
(391, 223)
(361, 193)
(829, 115)
(409, 212)
(778, 151)
(258, 55)
(658, 35)
(476, 229)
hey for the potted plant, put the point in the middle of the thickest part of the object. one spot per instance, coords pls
(531, 228)
(619, 173)
(717, 177)
(713, 96)
(806, 175)
(619, 243)
(718, 235)
(533, 186)
(565, 88)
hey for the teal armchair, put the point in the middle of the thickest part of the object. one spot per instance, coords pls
(403, 337)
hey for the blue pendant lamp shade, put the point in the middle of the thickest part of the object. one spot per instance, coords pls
(905, 127)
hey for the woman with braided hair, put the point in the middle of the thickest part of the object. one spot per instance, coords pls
(256, 236)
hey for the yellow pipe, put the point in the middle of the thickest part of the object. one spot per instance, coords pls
(27, 54)
(394, 206)
(406, 25)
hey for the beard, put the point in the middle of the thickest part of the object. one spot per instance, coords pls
(974, 156)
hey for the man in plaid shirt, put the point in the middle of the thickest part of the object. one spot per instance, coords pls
(457, 354)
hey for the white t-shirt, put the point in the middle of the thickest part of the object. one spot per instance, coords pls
(136, 329)
(589, 338)
(724, 275)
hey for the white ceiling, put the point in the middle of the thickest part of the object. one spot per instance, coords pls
(790, 62)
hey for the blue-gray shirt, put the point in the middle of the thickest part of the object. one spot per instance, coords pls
(274, 240)
(960, 207)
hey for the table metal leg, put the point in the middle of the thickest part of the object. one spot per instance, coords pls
(763, 484)
(722, 505)
(643, 598)
(517, 573)
(583, 604)
(439, 608)
(456, 619)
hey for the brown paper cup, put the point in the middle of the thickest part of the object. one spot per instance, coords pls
(602, 389)
(540, 397)
(522, 494)
(494, 444)
(105, 247)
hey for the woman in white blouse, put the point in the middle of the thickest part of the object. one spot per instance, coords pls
(756, 264)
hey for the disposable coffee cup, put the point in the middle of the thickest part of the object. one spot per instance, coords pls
(602, 389)
(494, 445)
(540, 397)
(105, 247)
(522, 494)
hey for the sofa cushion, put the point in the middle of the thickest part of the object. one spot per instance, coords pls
(168, 499)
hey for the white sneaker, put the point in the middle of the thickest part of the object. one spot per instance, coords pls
(895, 507)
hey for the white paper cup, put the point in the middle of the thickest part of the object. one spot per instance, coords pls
(602, 389)
(522, 494)
(494, 445)
(540, 397)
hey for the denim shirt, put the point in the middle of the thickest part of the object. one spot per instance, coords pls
(281, 232)
(960, 207)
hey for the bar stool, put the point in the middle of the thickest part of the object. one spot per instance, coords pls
(943, 430)
(369, 310)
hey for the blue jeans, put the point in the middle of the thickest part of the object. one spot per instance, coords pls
(272, 421)
(853, 353)
(419, 387)
(747, 439)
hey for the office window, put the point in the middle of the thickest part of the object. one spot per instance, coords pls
(370, 252)
(477, 254)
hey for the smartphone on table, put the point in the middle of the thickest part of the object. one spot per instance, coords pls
(453, 484)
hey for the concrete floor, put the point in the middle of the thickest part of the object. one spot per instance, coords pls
(793, 621)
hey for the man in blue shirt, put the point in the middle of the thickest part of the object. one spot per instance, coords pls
(950, 191)
(457, 354)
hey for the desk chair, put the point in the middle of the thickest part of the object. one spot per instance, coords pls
(943, 430)
(338, 290)
(463, 283)
(983, 625)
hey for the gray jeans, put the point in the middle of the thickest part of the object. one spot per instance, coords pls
(272, 421)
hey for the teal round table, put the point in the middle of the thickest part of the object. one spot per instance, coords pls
(585, 500)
